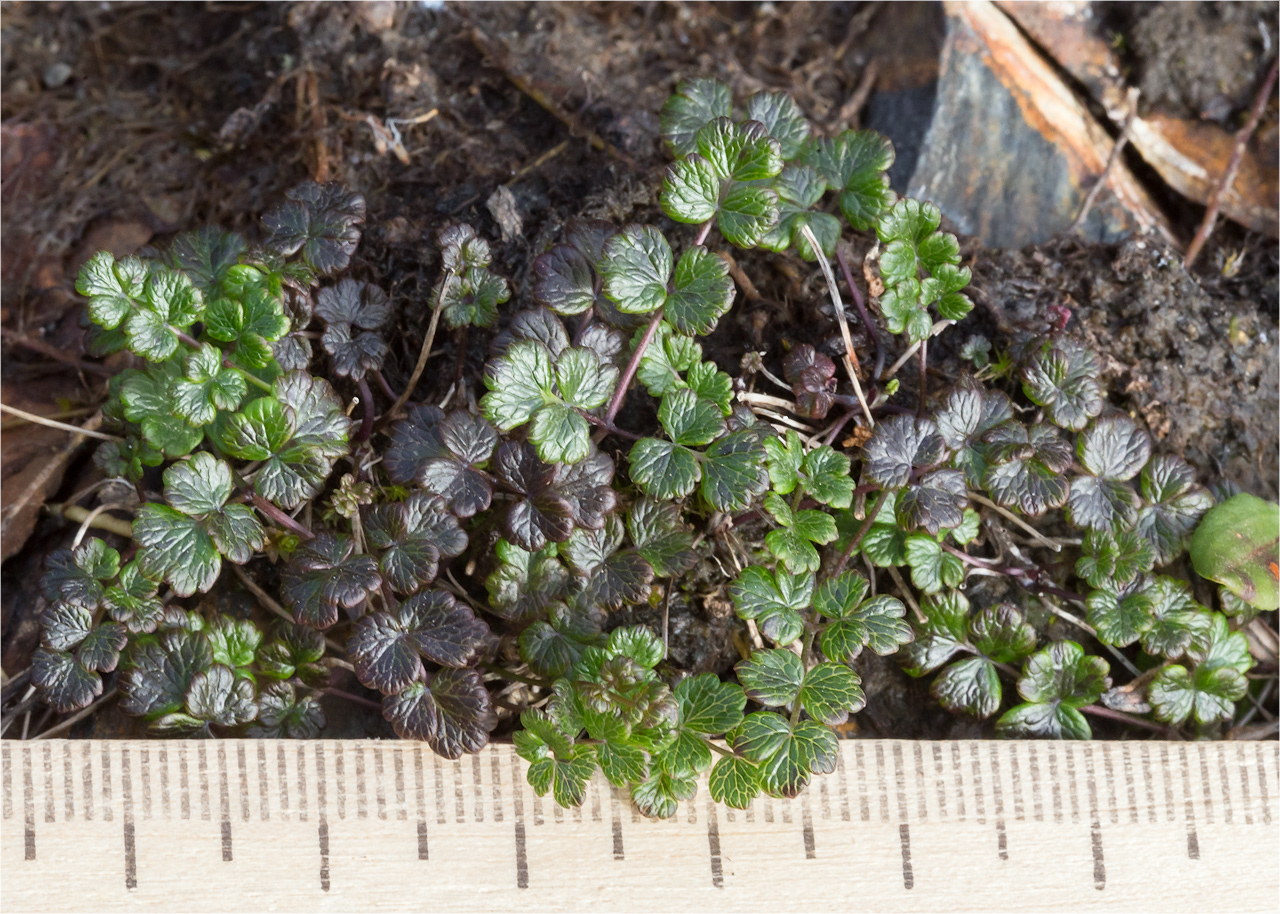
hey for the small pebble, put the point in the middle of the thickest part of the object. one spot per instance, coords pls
(57, 75)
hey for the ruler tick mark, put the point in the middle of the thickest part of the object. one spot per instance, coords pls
(1226, 785)
(48, 783)
(422, 841)
(339, 779)
(1193, 841)
(380, 790)
(1130, 790)
(843, 774)
(880, 782)
(126, 794)
(517, 797)
(1262, 785)
(439, 780)
(806, 827)
(1114, 811)
(1057, 787)
(323, 832)
(479, 796)
(959, 779)
(401, 812)
(615, 811)
(28, 807)
(144, 765)
(1033, 767)
(1147, 783)
(69, 785)
(997, 795)
(938, 780)
(1099, 865)
(224, 803)
(1244, 786)
(6, 763)
(362, 784)
(87, 773)
(264, 803)
(242, 769)
(107, 808)
(979, 799)
(922, 804)
(904, 837)
(302, 784)
(497, 788)
(864, 804)
(1204, 785)
(713, 846)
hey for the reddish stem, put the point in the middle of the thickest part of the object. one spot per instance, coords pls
(862, 531)
(615, 403)
(703, 233)
(366, 423)
(856, 294)
(281, 518)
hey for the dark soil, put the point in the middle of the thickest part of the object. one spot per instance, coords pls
(127, 123)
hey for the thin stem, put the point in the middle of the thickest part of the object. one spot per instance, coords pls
(514, 677)
(727, 753)
(1131, 99)
(922, 409)
(609, 427)
(54, 423)
(1233, 166)
(1112, 714)
(92, 516)
(366, 420)
(191, 342)
(272, 606)
(703, 233)
(906, 592)
(1017, 521)
(423, 354)
(911, 350)
(354, 699)
(80, 515)
(386, 388)
(281, 518)
(1086, 627)
(615, 402)
(74, 719)
(850, 357)
(872, 330)
(862, 531)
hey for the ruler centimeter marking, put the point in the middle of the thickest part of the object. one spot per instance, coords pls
(1013, 792)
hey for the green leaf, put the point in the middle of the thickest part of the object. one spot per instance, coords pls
(940, 636)
(734, 473)
(667, 355)
(713, 181)
(323, 575)
(694, 104)
(519, 383)
(825, 475)
(690, 420)
(1113, 557)
(969, 686)
(1121, 613)
(1063, 378)
(793, 543)
(734, 782)
(622, 764)
(283, 713)
(181, 543)
(1026, 467)
(662, 469)
(217, 696)
(170, 302)
(207, 387)
(294, 650)
(899, 445)
(62, 682)
(799, 188)
(701, 292)
(787, 755)
(148, 399)
(785, 456)
(687, 756)
(710, 383)
(76, 575)
(659, 796)
(857, 622)
(234, 641)
(252, 319)
(1237, 544)
(709, 706)
(461, 248)
(854, 163)
(471, 298)
(318, 220)
(387, 648)
(1175, 504)
(133, 601)
(782, 118)
(524, 583)
(1056, 682)
(636, 268)
(660, 537)
(411, 536)
(114, 288)
(453, 713)
(354, 313)
(207, 255)
(775, 600)
(932, 570)
(966, 415)
(936, 502)
(1178, 620)
(831, 692)
(771, 677)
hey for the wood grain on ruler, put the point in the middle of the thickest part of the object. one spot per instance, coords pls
(326, 825)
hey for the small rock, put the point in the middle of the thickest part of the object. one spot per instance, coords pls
(56, 75)
(502, 204)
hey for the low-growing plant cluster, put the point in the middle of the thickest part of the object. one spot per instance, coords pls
(439, 552)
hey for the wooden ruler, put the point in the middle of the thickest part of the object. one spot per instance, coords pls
(256, 825)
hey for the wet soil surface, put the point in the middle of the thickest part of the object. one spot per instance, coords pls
(124, 124)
